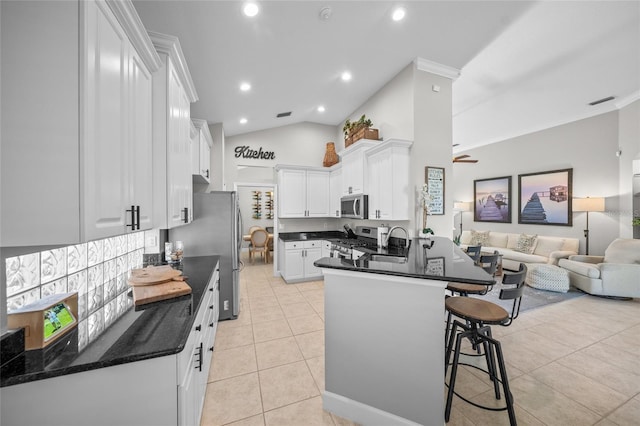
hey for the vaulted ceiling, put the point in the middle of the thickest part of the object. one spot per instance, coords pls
(525, 66)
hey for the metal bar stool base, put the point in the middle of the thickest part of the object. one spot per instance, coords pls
(479, 336)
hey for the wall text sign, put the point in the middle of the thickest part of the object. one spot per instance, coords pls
(245, 151)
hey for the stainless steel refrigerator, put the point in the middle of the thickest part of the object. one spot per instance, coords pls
(216, 229)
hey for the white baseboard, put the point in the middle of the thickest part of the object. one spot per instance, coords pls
(361, 413)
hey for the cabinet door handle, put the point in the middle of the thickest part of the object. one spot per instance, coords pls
(207, 173)
(133, 218)
(211, 325)
(137, 217)
(198, 327)
(199, 361)
(211, 348)
(186, 214)
(211, 307)
(211, 289)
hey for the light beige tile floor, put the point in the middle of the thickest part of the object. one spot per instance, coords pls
(572, 363)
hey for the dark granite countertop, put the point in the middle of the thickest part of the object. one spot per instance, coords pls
(435, 259)
(315, 235)
(148, 331)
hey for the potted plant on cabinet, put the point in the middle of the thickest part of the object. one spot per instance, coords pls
(356, 130)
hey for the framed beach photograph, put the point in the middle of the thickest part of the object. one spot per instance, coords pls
(545, 198)
(434, 178)
(492, 200)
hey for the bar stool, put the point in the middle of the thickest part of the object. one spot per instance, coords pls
(474, 252)
(479, 314)
(488, 262)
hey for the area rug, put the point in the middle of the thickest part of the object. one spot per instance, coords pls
(532, 298)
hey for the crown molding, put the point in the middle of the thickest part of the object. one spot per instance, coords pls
(170, 46)
(437, 69)
(623, 102)
(127, 16)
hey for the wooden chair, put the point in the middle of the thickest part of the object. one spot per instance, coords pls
(259, 244)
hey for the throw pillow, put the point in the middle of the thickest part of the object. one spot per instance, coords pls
(479, 238)
(526, 243)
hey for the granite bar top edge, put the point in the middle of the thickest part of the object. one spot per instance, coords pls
(454, 264)
(200, 278)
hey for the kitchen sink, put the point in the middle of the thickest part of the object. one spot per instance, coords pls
(387, 258)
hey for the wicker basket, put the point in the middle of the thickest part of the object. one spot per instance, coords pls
(362, 133)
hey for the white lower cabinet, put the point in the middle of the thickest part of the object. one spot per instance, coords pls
(298, 260)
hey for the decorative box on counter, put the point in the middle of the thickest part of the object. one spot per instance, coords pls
(46, 320)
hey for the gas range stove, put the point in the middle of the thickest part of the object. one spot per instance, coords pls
(343, 248)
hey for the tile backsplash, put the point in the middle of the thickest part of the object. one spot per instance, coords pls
(97, 270)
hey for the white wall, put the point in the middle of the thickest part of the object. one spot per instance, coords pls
(629, 144)
(407, 108)
(217, 158)
(246, 202)
(588, 146)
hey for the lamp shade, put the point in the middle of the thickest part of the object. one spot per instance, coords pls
(461, 206)
(595, 204)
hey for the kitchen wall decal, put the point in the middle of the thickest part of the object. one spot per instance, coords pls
(545, 198)
(492, 200)
(245, 151)
(434, 177)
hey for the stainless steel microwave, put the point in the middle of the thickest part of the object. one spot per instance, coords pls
(355, 206)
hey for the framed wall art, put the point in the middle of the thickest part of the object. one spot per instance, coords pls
(545, 198)
(492, 200)
(434, 178)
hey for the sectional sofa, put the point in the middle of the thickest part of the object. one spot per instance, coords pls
(542, 249)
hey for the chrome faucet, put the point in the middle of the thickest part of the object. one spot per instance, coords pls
(385, 242)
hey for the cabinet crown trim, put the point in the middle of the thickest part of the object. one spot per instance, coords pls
(389, 143)
(170, 45)
(294, 167)
(361, 144)
(129, 19)
(204, 126)
(437, 69)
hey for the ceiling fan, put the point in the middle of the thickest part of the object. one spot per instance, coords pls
(462, 159)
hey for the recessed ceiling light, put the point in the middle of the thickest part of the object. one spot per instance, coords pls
(243, 120)
(320, 108)
(250, 9)
(245, 87)
(346, 76)
(398, 14)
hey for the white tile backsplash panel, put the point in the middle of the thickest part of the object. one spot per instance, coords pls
(97, 270)
(53, 264)
(23, 273)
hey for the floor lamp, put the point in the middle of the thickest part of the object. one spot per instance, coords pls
(588, 205)
(461, 207)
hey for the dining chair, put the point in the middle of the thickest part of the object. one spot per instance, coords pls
(259, 244)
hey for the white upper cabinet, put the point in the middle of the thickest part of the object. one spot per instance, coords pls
(173, 93)
(81, 170)
(201, 151)
(335, 190)
(303, 192)
(354, 176)
(390, 195)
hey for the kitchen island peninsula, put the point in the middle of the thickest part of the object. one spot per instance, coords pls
(385, 330)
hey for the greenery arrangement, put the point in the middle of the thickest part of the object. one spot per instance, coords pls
(351, 127)
(635, 221)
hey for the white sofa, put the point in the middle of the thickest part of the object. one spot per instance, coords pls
(546, 250)
(617, 273)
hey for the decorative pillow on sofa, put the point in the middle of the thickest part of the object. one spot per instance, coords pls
(479, 238)
(526, 243)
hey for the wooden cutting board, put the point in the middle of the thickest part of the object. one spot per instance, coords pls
(155, 293)
(152, 275)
